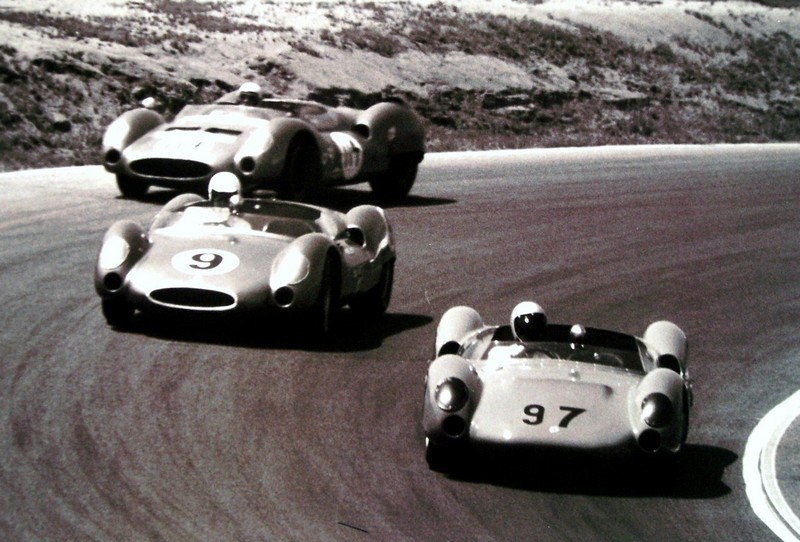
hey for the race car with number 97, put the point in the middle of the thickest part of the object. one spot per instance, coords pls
(294, 147)
(252, 256)
(540, 387)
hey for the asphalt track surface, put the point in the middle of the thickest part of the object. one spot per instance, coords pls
(176, 431)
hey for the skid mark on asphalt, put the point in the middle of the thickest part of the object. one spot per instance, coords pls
(759, 472)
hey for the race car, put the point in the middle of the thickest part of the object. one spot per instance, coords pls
(292, 146)
(234, 255)
(538, 387)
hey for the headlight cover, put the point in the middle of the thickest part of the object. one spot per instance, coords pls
(113, 253)
(116, 133)
(292, 267)
(259, 142)
(657, 410)
(451, 394)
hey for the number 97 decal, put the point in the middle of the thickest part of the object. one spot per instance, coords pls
(534, 415)
(205, 261)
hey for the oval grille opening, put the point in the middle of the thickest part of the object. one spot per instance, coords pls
(193, 298)
(170, 168)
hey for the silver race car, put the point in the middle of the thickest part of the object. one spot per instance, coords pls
(291, 146)
(537, 386)
(232, 255)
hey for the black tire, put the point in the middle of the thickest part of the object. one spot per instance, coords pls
(375, 301)
(442, 458)
(118, 312)
(323, 313)
(131, 188)
(395, 185)
(302, 172)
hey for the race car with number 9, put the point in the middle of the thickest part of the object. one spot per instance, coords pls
(540, 387)
(294, 147)
(252, 256)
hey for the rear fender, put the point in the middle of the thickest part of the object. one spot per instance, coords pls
(372, 222)
(393, 126)
(670, 345)
(124, 243)
(454, 326)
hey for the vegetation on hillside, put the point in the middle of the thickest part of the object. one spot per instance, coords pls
(54, 105)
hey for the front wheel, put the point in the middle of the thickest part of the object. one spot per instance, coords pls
(375, 301)
(395, 185)
(131, 188)
(443, 458)
(118, 312)
(323, 313)
(302, 172)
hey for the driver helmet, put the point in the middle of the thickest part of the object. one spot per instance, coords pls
(222, 187)
(249, 93)
(528, 322)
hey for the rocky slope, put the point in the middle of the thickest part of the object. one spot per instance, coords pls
(484, 74)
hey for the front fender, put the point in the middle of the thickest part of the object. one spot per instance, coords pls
(124, 244)
(297, 271)
(126, 129)
(664, 383)
(438, 422)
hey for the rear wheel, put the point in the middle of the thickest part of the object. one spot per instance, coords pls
(395, 185)
(118, 312)
(375, 301)
(131, 188)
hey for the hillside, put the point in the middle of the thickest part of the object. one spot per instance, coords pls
(484, 74)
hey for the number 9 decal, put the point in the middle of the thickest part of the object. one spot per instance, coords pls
(205, 261)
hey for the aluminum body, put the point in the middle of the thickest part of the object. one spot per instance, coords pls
(337, 145)
(607, 393)
(252, 255)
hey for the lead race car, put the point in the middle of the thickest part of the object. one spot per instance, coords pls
(550, 387)
(292, 146)
(244, 255)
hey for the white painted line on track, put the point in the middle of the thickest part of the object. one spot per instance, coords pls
(760, 478)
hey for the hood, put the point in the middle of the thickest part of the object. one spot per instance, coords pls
(206, 136)
(229, 266)
(557, 404)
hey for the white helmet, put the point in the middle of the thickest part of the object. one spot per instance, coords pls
(249, 93)
(528, 322)
(222, 187)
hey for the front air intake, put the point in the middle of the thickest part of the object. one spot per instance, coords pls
(169, 168)
(193, 298)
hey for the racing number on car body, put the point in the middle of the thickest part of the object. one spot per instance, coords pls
(535, 414)
(351, 153)
(205, 261)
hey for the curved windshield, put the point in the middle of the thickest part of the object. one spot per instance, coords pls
(609, 357)
(599, 347)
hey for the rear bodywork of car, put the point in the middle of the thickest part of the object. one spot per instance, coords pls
(262, 254)
(336, 145)
(609, 393)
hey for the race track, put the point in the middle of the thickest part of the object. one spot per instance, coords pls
(169, 432)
